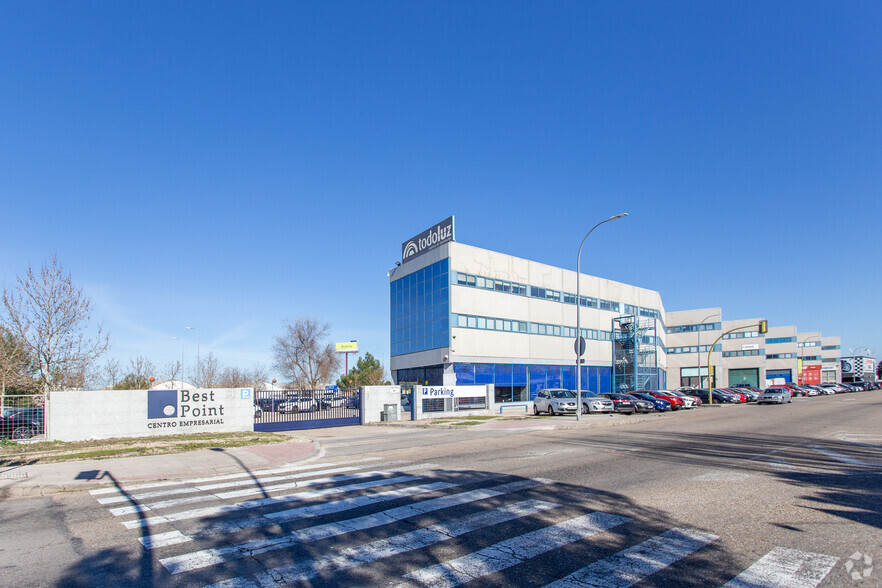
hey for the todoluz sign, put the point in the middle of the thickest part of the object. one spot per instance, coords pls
(427, 240)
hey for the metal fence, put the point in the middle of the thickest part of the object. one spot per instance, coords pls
(23, 416)
(283, 410)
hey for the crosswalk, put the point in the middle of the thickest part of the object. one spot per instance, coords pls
(371, 521)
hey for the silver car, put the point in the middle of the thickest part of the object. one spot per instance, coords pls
(775, 396)
(555, 401)
(591, 402)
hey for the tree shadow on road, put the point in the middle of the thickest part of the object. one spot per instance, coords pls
(255, 539)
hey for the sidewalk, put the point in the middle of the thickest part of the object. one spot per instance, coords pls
(73, 476)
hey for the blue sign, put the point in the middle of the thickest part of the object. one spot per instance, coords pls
(162, 404)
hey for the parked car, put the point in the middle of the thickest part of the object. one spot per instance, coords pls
(555, 401)
(775, 395)
(739, 396)
(622, 402)
(592, 403)
(331, 401)
(688, 401)
(22, 423)
(269, 404)
(659, 404)
(676, 402)
(298, 404)
(718, 396)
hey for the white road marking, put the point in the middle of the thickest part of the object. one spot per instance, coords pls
(200, 559)
(294, 468)
(785, 567)
(219, 509)
(512, 552)
(383, 548)
(164, 539)
(841, 458)
(140, 508)
(323, 508)
(234, 484)
(629, 566)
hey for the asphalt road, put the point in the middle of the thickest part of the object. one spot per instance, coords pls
(755, 495)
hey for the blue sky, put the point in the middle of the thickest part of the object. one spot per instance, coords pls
(231, 165)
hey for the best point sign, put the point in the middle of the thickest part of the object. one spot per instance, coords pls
(427, 240)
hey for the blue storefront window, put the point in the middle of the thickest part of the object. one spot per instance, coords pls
(465, 374)
(569, 377)
(552, 377)
(537, 379)
(519, 375)
(503, 375)
(484, 373)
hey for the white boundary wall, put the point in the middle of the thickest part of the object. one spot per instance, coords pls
(78, 415)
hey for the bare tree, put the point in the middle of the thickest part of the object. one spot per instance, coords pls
(16, 369)
(171, 371)
(234, 377)
(302, 354)
(142, 369)
(111, 371)
(208, 372)
(50, 315)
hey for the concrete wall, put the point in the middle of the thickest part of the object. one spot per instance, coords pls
(78, 415)
(374, 400)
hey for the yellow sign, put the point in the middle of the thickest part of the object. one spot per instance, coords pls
(347, 347)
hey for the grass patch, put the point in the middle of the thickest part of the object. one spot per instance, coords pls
(13, 453)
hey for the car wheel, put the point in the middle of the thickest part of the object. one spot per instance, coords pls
(551, 410)
(586, 409)
(22, 433)
(535, 410)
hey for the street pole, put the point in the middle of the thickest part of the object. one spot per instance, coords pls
(579, 345)
(699, 349)
(198, 359)
(182, 360)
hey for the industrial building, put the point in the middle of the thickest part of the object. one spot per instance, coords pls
(464, 315)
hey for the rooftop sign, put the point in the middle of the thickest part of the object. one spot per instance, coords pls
(427, 240)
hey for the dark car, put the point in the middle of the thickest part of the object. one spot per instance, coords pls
(622, 403)
(659, 404)
(719, 397)
(22, 424)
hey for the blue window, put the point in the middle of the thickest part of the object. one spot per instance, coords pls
(484, 373)
(465, 374)
(420, 310)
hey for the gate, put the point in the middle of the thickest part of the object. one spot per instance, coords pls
(288, 410)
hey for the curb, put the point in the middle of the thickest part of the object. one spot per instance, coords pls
(22, 487)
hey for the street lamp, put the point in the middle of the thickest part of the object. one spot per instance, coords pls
(198, 361)
(182, 360)
(580, 342)
(699, 348)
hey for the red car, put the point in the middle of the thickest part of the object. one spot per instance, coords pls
(676, 401)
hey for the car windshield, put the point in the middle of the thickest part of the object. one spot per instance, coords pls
(562, 394)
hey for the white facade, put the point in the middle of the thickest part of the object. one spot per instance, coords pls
(457, 308)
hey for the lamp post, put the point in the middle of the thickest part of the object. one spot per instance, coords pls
(801, 352)
(198, 359)
(580, 342)
(182, 360)
(699, 348)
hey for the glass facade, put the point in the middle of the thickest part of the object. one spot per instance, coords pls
(520, 383)
(420, 309)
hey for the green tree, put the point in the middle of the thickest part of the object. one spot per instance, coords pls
(368, 371)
